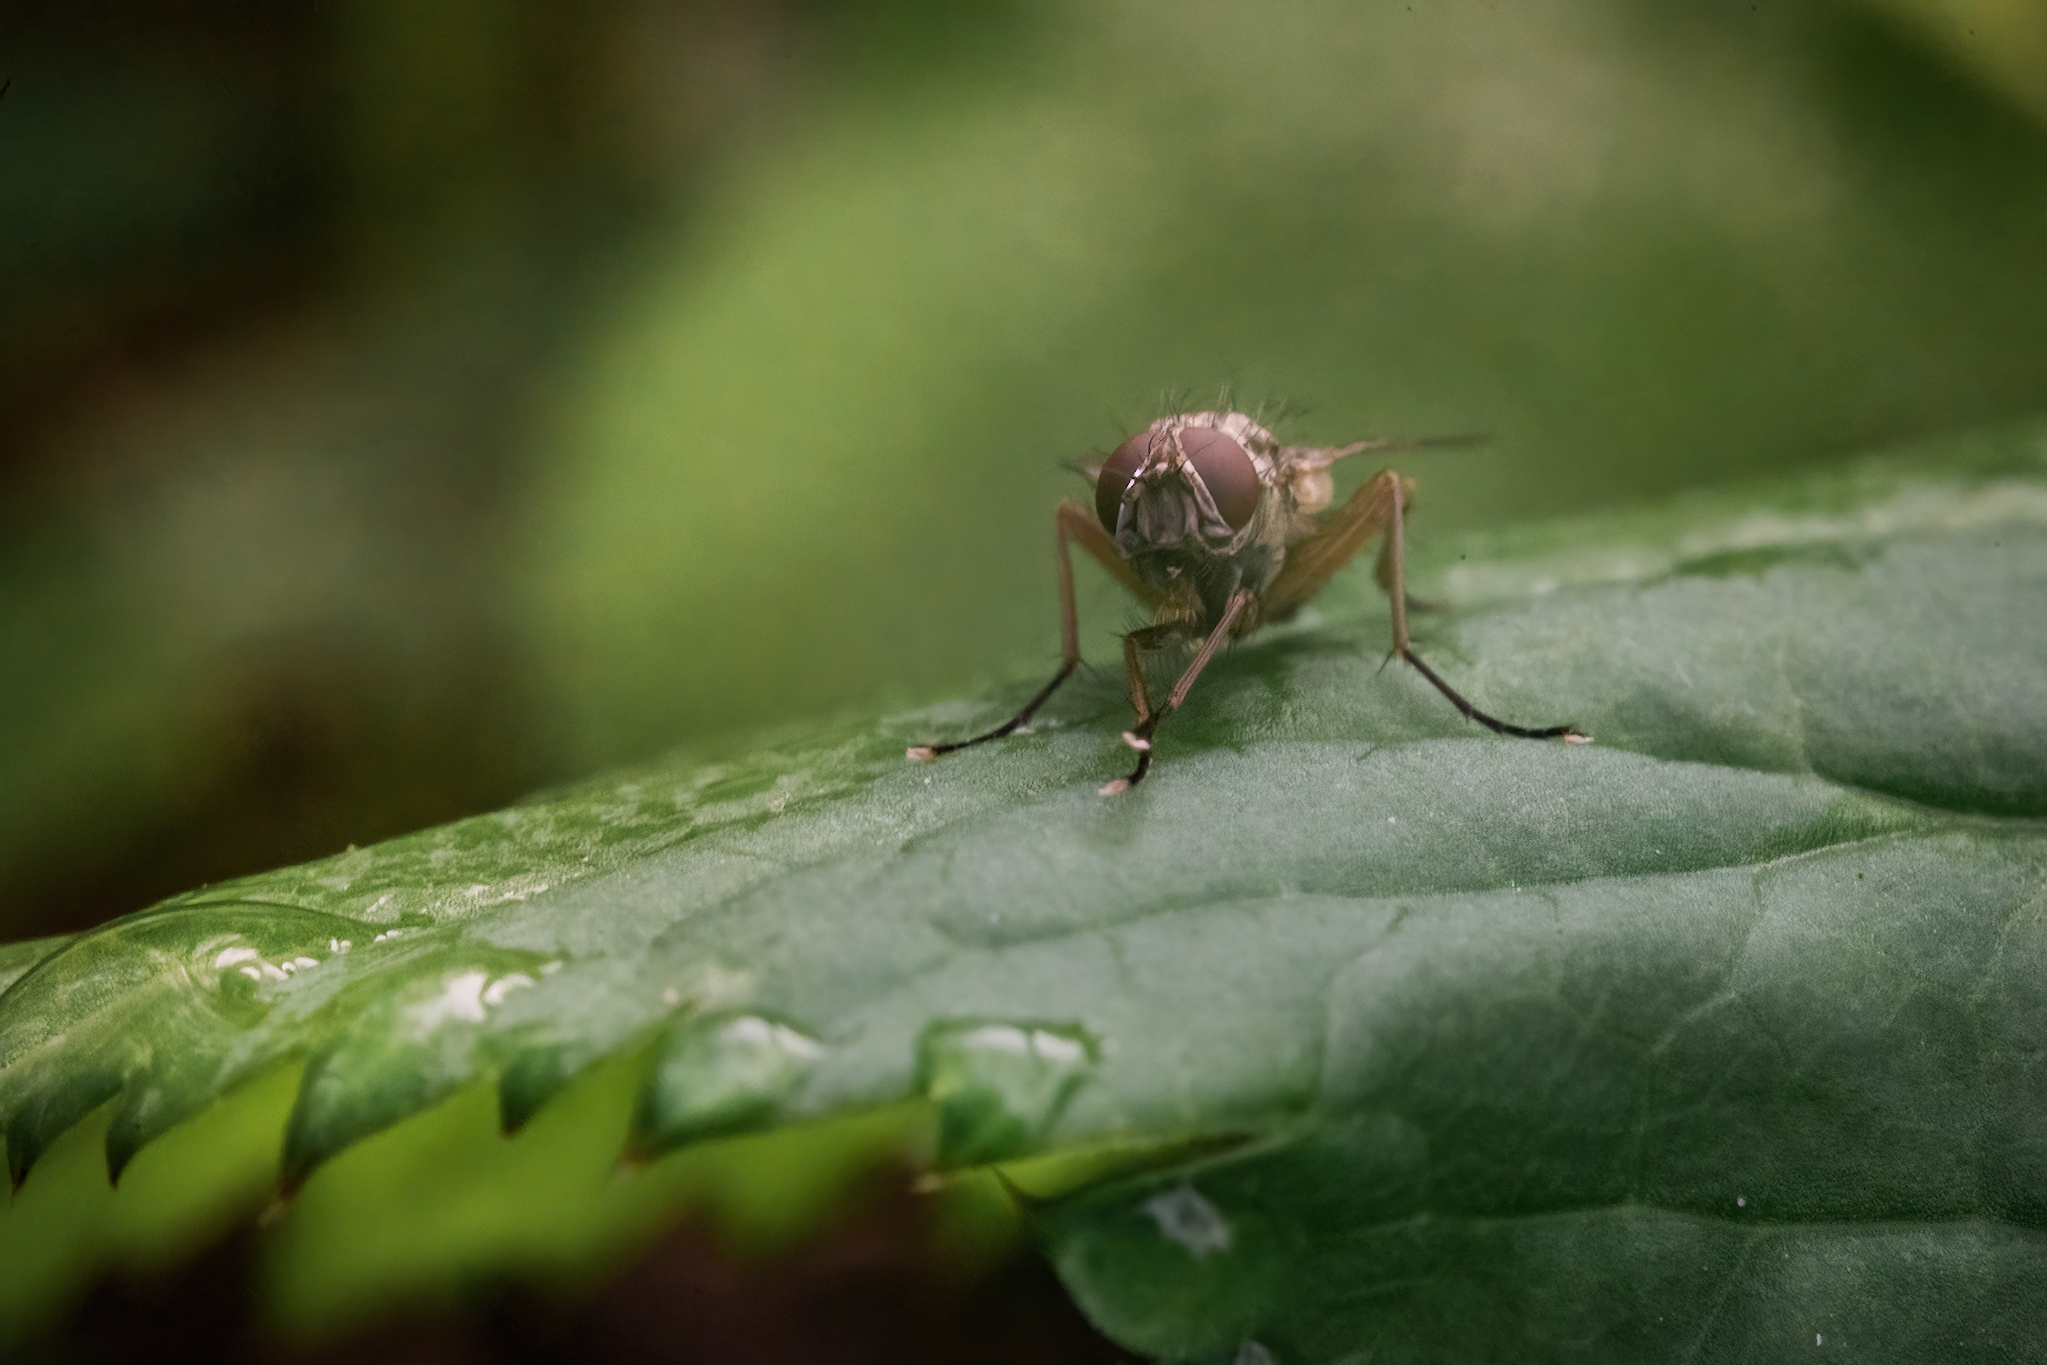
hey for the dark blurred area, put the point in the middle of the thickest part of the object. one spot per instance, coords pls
(281, 281)
(403, 408)
(869, 1291)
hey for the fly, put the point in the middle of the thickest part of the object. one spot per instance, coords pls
(1219, 529)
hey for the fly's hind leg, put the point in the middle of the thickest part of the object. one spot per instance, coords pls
(1379, 506)
(1392, 575)
(1074, 524)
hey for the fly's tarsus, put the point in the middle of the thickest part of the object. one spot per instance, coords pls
(1140, 740)
(925, 753)
(1564, 732)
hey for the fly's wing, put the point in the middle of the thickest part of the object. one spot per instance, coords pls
(1306, 468)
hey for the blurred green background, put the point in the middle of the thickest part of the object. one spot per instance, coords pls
(408, 406)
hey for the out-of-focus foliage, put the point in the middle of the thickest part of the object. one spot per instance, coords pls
(404, 411)
(2002, 43)
(256, 459)
(1773, 937)
(1639, 250)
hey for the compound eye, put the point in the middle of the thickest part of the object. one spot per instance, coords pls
(1117, 472)
(1226, 468)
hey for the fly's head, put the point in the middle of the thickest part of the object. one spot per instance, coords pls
(1189, 490)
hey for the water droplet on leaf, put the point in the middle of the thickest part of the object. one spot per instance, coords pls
(1000, 1086)
(720, 1074)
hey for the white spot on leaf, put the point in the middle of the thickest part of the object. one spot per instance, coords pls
(495, 993)
(461, 998)
(1184, 1216)
(999, 1038)
(1053, 1048)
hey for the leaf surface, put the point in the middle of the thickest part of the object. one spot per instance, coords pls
(1677, 1041)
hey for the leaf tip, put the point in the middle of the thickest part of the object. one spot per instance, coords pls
(634, 1156)
(527, 1083)
(21, 1158)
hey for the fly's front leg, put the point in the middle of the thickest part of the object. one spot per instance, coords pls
(1135, 645)
(1138, 643)
(1135, 669)
(1148, 720)
(1074, 524)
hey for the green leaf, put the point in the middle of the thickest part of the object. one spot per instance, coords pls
(1724, 1025)
(1723, 1112)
